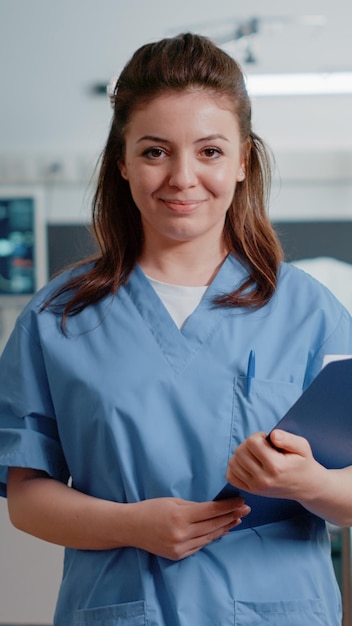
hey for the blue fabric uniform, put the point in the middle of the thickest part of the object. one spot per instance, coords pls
(133, 408)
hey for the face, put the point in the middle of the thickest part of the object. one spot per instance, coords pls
(183, 158)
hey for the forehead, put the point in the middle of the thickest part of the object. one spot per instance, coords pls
(181, 106)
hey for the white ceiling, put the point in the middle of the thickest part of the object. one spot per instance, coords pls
(290, 37)
(51, 53)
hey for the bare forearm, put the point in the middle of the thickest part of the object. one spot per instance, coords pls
(56, 513)
(169, 527)
(330, 497)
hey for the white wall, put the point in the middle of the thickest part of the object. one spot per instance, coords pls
(50, 54)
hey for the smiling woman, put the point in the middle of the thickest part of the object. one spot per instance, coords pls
(194, 68)
(164, 360)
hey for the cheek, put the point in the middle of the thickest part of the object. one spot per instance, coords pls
(142, 188)
(223, 183)
(148, 181)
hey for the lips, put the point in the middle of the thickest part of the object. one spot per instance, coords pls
(182, 206)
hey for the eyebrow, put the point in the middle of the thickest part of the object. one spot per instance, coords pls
(163, 140)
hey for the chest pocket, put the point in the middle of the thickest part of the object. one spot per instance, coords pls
(289, 613)
(261, 408)
(127, 614)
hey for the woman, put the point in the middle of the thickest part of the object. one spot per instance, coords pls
(134, 376)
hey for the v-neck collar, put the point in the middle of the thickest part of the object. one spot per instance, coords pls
(180, 345)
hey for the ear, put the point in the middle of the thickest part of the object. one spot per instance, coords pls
(123, 170)
(241, 174)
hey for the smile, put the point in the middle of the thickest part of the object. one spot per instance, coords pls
(182, 206)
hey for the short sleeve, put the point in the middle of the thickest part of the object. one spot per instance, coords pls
(28, 429)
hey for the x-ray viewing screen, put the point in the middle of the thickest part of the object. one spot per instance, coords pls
(20, 243)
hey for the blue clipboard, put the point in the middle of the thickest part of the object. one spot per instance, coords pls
(323, 415)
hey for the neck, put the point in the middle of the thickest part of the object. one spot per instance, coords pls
(183, 264)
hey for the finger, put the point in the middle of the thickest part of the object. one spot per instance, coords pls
(257, 446)
(249, 461)
(220, 524)
(197, 543)
(290, 443)
(204, 511)
(241, 467)
(192, 544)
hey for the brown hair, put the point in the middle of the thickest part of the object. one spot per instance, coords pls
(177, 64)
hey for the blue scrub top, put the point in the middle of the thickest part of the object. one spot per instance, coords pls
(132, 408)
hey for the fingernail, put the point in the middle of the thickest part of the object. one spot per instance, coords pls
(245, 509)
(278, 435)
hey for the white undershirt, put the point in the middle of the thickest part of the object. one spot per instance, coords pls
(180, 301)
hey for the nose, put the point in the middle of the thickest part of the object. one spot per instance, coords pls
(183, 172)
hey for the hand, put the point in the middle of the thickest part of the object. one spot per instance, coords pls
(291, 472)
(175, 528)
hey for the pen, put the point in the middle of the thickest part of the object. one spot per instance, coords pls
(250, 371)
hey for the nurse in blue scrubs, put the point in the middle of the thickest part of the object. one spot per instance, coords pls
(129, 393)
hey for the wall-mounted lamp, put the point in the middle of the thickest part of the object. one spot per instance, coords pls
(305, 84)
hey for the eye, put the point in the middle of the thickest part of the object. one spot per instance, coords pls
(154, 153)
(212, 153)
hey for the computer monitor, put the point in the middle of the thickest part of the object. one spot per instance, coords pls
(23, 244)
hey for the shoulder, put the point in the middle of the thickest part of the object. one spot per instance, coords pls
(37, 302)
(304, 296)
(335, 274)
(56, 283)
(313, 316)
(295, 280)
